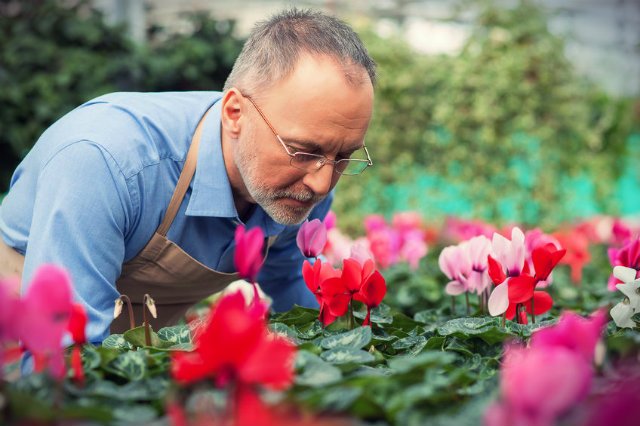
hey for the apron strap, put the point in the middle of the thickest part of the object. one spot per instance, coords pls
(188, 170)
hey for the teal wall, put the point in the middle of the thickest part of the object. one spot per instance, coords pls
(435, 196)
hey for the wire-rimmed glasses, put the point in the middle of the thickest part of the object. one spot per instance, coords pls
(314, 162)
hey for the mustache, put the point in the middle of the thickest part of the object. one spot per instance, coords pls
(302, 196)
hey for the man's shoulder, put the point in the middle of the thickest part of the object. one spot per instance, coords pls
(137, 130)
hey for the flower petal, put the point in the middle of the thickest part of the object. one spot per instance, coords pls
(499, 300)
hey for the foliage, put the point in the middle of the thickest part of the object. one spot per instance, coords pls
(507, 118)
(55, 56)
(421, 362)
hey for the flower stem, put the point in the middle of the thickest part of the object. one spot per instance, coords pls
(147, 332)
(453, 305)
(533, 315)
(466, 296)
(351, 320)
(127, 301)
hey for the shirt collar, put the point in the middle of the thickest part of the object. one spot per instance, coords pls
(211, 190)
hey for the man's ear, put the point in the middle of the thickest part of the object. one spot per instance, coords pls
(231, 112)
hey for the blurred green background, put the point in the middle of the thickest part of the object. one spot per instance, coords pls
(504, 130)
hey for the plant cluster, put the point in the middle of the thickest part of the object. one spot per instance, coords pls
(383, 363)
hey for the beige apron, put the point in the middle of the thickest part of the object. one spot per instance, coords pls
(173, 278)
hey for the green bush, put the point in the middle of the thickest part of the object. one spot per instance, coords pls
(499, 131)
(54, 57)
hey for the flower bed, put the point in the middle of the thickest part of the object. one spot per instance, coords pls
(463, 336)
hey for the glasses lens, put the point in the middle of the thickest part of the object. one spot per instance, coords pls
(351, 167)
(308, 162)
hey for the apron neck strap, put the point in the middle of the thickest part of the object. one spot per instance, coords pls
(188, 170)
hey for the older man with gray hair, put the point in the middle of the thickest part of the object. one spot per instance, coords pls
(138, 193)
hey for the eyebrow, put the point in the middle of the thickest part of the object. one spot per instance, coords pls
(311, 146)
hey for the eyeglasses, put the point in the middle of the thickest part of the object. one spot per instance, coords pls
(314, 162)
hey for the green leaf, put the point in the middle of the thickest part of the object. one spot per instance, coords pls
(346, 356)
(356, 339)
(136, 336)
(176, 334)
(135, 414)
(116, 341)
(403, 364)
(487, 329)
(409, 342)
(297, 316)
(284, 330)
(318, 374)
(91, 358)
(131, 365)
(379, 315)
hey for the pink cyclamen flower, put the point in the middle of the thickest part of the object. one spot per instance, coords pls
(455, 263)
(538, 385)
(510, 253)
(312, 237)
(628, 255)
(10, 307)
(414, 249)
(330, 220)
(248, 256)
(573, 332)
(47, 308)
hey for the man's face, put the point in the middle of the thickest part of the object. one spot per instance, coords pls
(315, 110)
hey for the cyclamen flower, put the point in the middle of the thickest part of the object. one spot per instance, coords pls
(578, 255)
(46, 309)
(248, 255)
(311, 238)
(623, 312)
(515, 284)
(314, 277)
(357, 282)
(541, 383)
(77, 327)
(251, 355)
(628, 256)
(466, 265)
(538, 385)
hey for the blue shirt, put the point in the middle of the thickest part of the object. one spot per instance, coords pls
(95, 187)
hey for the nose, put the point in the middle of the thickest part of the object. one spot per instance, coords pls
(321, 181)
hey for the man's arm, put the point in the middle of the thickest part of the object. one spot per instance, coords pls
(281, 275)
(81, 211)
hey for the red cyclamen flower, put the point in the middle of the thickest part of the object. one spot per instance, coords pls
(251, 355)
(360, 282)
(314, 277)
(77, 328)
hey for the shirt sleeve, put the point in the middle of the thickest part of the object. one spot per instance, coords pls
(281, 275)
(80, 217)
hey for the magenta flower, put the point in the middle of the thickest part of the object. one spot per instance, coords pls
(629, 256)
(10, 309)
(330, 220)
(248, 256)
(538, 385)
(574, 333)
(46, 309)
(312, 237)
(456, 229)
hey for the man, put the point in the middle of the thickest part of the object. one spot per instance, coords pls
(137, 193)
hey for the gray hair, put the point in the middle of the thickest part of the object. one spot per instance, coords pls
(274, 46)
